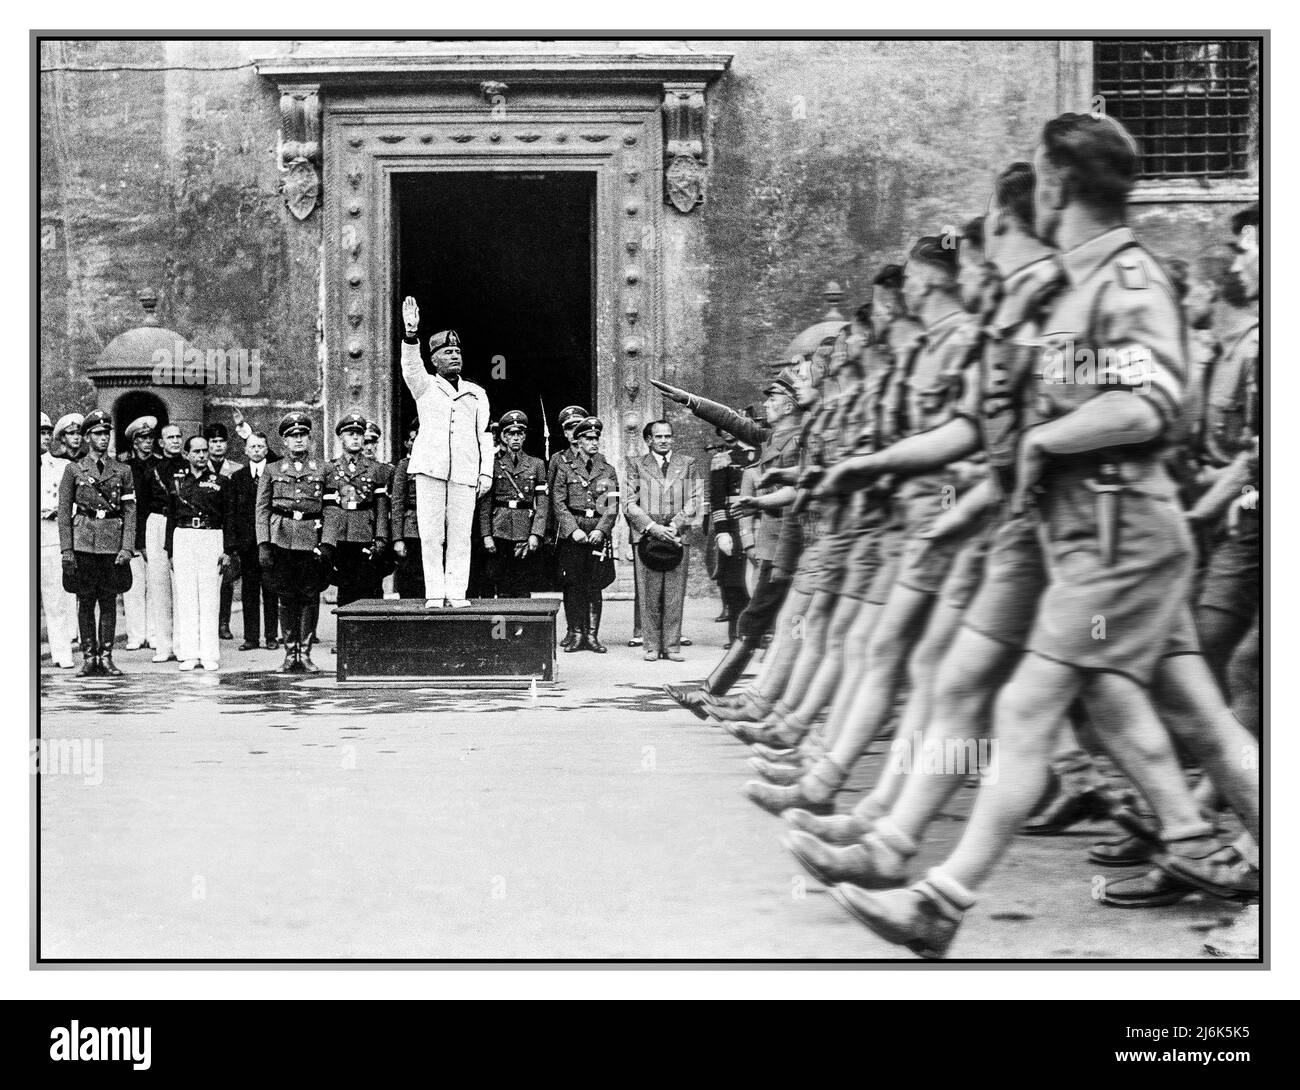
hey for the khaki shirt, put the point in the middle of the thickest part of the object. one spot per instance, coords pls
(1117, 326)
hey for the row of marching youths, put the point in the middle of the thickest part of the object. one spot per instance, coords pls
(1011, 511)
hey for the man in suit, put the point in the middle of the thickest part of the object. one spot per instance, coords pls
(259, 601)
(663, 500)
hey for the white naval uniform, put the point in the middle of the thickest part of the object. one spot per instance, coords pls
(452, 451)
(59, 607)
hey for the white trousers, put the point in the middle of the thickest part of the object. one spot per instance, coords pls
(158, 603)
(198, 594)
(446, 515)
(59, 607)
(135, 604)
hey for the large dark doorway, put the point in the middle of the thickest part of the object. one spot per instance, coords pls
(505, 259)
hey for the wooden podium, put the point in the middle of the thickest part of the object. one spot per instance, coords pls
(491, 643)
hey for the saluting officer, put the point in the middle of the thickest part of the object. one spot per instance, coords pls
(570, 417)
(202, 542)
(513, 516)
(585, 498)
(357, 509)
(408, 580)
(294, 543)
(96, 536)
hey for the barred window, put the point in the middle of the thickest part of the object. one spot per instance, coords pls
(1189, 102)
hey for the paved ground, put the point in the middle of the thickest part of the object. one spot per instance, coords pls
(247, 815)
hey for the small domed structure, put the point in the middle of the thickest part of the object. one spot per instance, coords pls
(143, 372)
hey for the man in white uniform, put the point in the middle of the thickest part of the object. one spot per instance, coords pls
(58, 605)
(451, 460)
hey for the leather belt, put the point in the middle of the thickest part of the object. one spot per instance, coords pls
(357, 505)
(517, 505)
(195, 524)
(98, 512)
(585, 512)
(293, 513)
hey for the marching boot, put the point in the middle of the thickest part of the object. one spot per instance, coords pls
(923, 918)
(815, 792)
(89, 665)
(579, 642)
(877, 861)
(108, 666)
(733, 664)
(692, 699)
(593, 633)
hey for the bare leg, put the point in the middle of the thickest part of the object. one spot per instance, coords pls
(1192, 707)
(965, 684)
(855, 653)
(923, 669)
(1039, 694)
(812, 636)
(786, 642)
(831, 667)
(901, 623)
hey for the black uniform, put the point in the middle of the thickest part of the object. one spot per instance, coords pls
(358, 509)
(291, 525)
(585, 497)
(408, 580)
(725, 476)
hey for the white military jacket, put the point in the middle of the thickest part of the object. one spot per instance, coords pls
(453, 444)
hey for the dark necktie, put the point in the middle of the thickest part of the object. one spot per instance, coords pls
(99, 464)
(590, 466)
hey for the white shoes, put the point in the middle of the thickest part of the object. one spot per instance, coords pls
(189, 664)
(160, 657)
(433, 603)
(457, 603)
(211, 666)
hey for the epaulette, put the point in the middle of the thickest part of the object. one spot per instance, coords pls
(1132, 273)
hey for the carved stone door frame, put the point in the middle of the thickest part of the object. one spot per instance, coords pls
(366, 148)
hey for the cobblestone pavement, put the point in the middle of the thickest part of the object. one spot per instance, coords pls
(242, 814)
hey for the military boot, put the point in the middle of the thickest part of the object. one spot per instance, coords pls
(924, 918)
(593, 633)
(290, 663)
(108, 666)
(814, 792)
(89, 665)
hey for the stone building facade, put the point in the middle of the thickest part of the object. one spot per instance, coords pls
(590, 214)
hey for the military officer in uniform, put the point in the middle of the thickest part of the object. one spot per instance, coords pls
(218, 440)
(585, 498)
(140, 460)
(69, 442)
(726, 472)
(59, 607)
(96, 539)
(513, 515)
(570, 417)
(357, 509)
(408, 580)
(370, 444)
(202, 540)
(294, 543)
